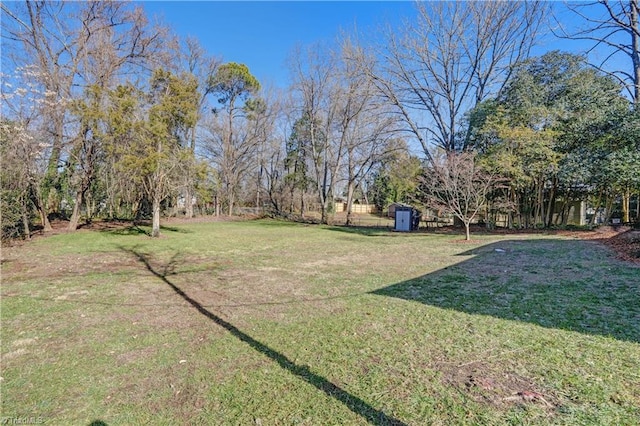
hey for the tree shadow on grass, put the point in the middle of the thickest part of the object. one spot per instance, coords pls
(282, 223)
(352, 402)
(367, 231)
(129, 230)
(562, 284)
(143, 230)
(175, 229)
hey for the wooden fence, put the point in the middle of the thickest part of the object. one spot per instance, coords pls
(356, 208)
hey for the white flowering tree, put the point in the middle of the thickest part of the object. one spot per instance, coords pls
(24, 150)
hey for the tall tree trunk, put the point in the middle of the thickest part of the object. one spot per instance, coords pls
(25, 219)
(350, 191)
(596, 208)
(80, 198)
(539, 203)
(188, 200)
(90, 205)
(51, 176)
(231, 202)
(42, 210)
(525, 210)
(565, 210)
(467, 231)
(44, 218)
(324, 191)
(324, 217)
(87, 164)
(230, 186)
(155, 224)
(552, 202)
(608, 209)
(189, 187)
(75, 216)
(626, 197)
(258, 198)
(259, 185)
(514, 203)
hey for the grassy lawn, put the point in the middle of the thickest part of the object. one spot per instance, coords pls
(267, 322)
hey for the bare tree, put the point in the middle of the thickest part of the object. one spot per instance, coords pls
(26, 142)
(365, 123)
(316, 84)
(455, 183)
(262, 115)
(450, 58)
(274, 160)
(38, 41)
(194, 58)
(296, 163)
(617, 31)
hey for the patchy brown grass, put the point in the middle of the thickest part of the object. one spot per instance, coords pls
(413, 325)
(624, 240)
(487, 383)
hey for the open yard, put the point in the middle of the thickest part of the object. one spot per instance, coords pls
(267, 322)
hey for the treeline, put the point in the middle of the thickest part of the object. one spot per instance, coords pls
(560, 132)
(108, 116)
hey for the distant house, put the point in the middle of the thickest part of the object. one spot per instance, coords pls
(574, 212)
(570, 213)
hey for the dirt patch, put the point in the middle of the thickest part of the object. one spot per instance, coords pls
(495, 386)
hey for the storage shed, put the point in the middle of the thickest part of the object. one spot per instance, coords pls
(406, 218)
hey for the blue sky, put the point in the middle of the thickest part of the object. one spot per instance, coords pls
(262, 34)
